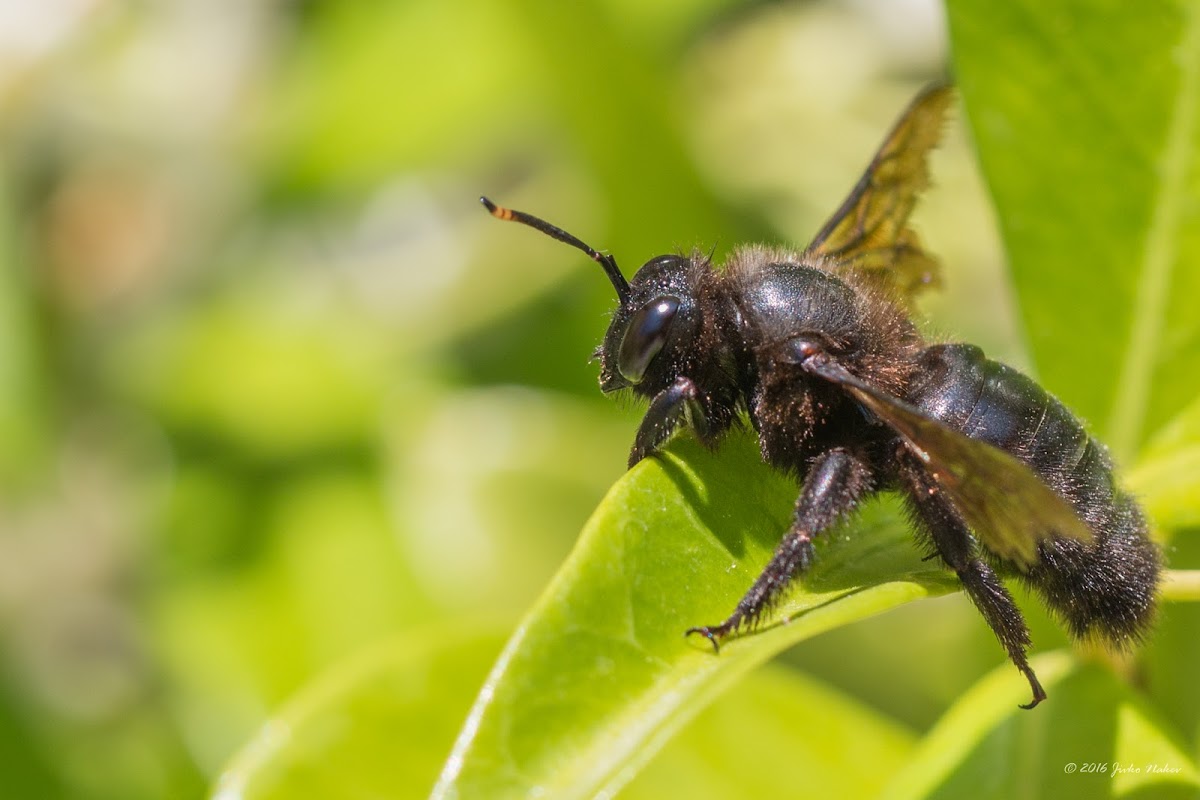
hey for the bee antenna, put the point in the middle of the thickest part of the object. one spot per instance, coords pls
(606, 261)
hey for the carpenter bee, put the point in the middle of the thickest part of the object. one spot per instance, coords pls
(818, 350)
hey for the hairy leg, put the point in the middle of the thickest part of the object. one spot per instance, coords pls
(835, 484)
(952, 538)
(675, 405)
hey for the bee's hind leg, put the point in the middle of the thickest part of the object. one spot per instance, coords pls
(945, 526)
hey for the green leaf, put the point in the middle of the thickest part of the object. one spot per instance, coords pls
(338, 738)
(1168, 667)
(377, 726)
(777, 717)
(599, 674)
(1167, 478)
(1093, 738)
(1086, 122)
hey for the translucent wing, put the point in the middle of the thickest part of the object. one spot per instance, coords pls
(1008, 507)
(869, 232)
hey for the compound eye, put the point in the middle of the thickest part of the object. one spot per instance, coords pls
(645, 336)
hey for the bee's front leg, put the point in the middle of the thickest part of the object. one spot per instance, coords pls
(835, 484)
(679, 403)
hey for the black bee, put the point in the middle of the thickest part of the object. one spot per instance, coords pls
(818, 350)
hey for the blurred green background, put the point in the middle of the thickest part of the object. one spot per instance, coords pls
(274, 388)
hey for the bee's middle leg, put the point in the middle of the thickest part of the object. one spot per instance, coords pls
(835, 484)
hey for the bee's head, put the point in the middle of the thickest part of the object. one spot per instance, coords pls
(652, 326)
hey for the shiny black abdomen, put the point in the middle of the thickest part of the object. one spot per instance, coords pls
(987, 400)
(1112, 580)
